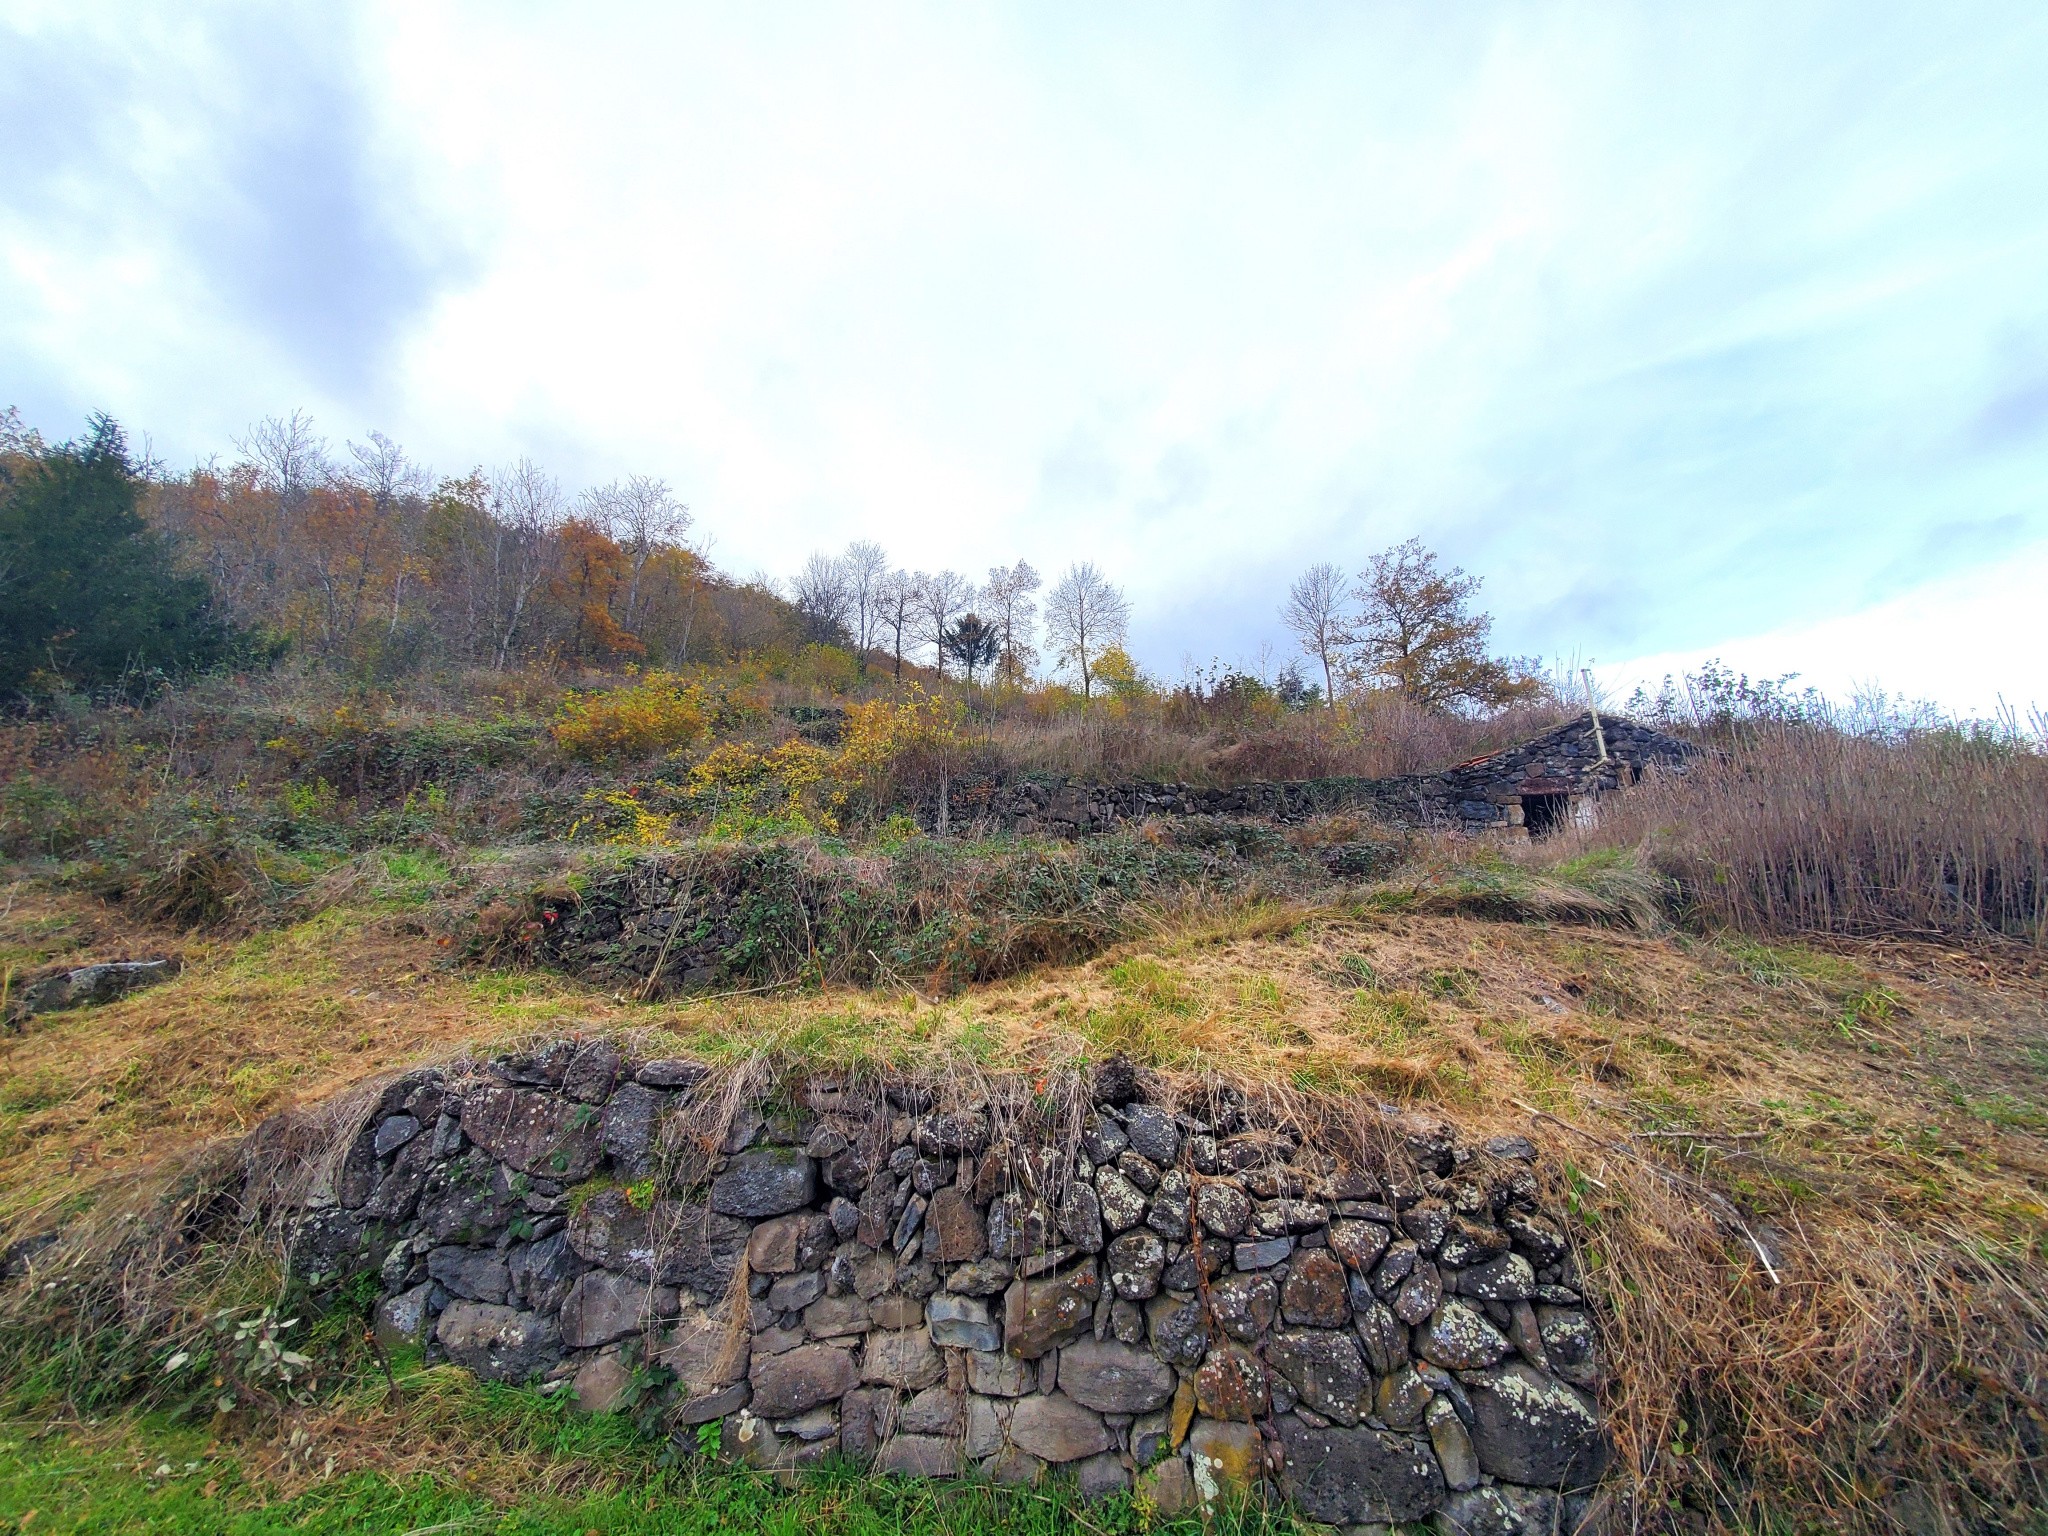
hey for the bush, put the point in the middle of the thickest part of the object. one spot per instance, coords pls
(658, 712)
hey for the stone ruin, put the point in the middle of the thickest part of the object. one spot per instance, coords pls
(1188, 1300)
(1548, 782)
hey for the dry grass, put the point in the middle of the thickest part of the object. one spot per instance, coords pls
(1177, 739)
(1796, 828)
(1875, 1116)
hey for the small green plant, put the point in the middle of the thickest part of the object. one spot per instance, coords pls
(236, 1360)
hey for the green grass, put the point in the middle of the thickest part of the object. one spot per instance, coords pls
(175, 1481)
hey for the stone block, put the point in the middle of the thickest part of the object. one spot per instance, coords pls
(1343, 1476)
(800, 1379)
(1055, 1428)
(1114, 1378)
(602, 1306)
(907, 1360)
(540, 1134)
(962, 1322)
(766, 1182)
(498, 1343)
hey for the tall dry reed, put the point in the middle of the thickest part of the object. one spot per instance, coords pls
(1802, 828)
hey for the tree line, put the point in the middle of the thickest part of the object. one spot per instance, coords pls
(361, 559)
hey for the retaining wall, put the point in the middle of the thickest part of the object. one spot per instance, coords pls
(1481, 795)
(1187, 1297)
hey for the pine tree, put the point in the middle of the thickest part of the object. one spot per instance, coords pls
(88, 593)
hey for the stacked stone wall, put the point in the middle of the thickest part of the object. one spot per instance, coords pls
(1189, 1297)
(1474, 797)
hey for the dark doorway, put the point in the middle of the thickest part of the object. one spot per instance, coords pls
(1544, 814)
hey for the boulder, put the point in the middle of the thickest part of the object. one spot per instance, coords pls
(627, 1128)
(602, 1306)
(393, 1132)
(467, 1201)
(790, 1243)
(1314, 1294)
(1222, 1209)
(1245, 1305)
(799, 1379)
(1568, 1344)
(1122, 1202)
(1018, 1226)
(1101, 1477)
(498, 1343)
(541, 1134)
(1419, 1293)
(1167, 1213)
(1115, 1378)
(1506, 1278)
(1531, 1428)
(1135, 1261)
(1041, 1315)
(401, 1320)
(934, 1411)
(601, 1382)
(960, 1231)
(905, 1359)
(1227, 1462)
(1263, 1254)
(765, 1182)
(1055, 1428)
(1503, 1510)
(1152, 1134)
(1452, 1444)
(908, 1455)
(836, 1317)
(1360, 1244)
(1231, 1384)
(997, 1373)
(593, 1071)
(1345, 1476)
(1323, 1366)
(1179, 1329)
(540, 1273)
(1080, 1218)
(671, 1073)
(478, 1274)
(1460, 1339)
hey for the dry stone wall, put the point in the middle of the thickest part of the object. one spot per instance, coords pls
(1184, 1297)
(1481, 795)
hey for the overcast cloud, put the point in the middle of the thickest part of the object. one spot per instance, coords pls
(1695, 330)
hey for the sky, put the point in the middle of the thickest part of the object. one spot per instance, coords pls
(1696, 331)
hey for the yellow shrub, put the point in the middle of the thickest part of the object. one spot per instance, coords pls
(882, 732)
(658, 711)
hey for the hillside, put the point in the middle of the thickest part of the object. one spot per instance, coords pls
(1800, 1169)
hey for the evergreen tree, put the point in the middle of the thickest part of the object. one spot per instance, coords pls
(87, 592)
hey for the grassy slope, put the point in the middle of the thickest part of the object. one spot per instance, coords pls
(1881, 1111)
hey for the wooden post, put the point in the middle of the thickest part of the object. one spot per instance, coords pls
(1599, 736)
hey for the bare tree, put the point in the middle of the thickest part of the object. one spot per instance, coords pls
(896, 612)
(526, 512)
(1085, 614)
(1013, 613)
(1315, 612)
(940, 599)
(394, 486)
(289, 456)
(866, 565)
(823, 596)
(642, 514)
